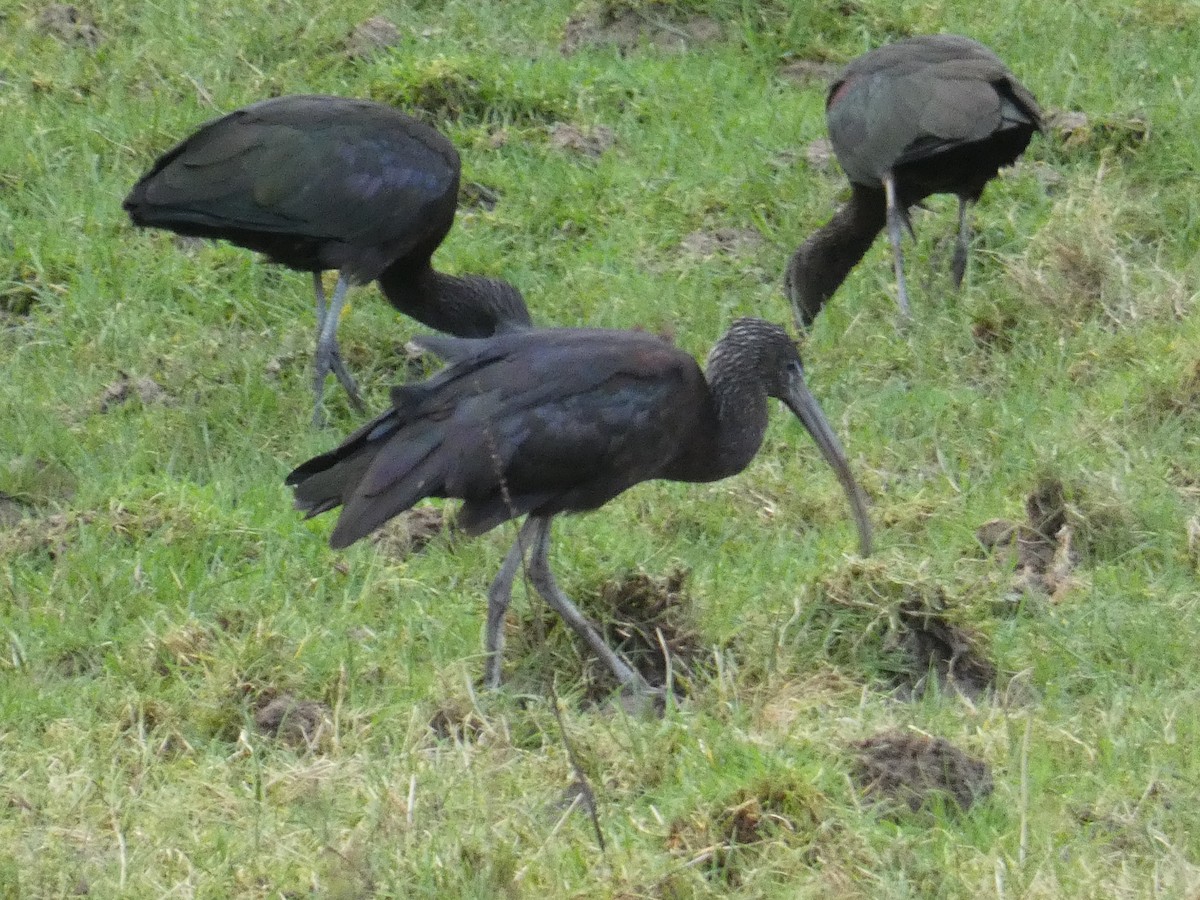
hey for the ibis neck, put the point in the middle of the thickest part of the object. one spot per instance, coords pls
(469, 306)
(740, 405)
(822, 262)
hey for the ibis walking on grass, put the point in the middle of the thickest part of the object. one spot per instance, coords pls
(542, 422)
(318, 183)
(934, 114)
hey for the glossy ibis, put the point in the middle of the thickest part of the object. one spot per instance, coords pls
(562, 420)
(318, 183)
(935, 114)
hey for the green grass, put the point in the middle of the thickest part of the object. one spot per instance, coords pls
(160, 585)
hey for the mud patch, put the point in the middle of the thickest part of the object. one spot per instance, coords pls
(591, 142)
(654, 25)
(473, 195)
(144, 389)
(70, 25)
(301, 724)
(372, 36)
(721, 840)
(1041, 553)
(907, 769)
(410, 532)
(1077, 132)
(649, 623)
(722, 241)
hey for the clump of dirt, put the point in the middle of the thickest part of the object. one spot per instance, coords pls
(13, 509)
(1076, 131)
(649, 623)
(722, 241)
(936, 646)
(910, 769)
(441, 90)
(456, 720)
(626, 28)
(410, 532)
(473, 195)
(1041, 553)
(51, 534)
(69, 25)
(718, 839)
(819, 155)
(371, 36)
(994, 332)
(1178, 396)
(183, 647)
(303, 724)
(806, 72)
(145, 389)
(590, 142)
(904, 627)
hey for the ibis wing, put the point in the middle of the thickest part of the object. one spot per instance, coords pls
(322, 167)
(546, 420)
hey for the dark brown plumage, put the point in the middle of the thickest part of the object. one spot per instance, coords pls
(318, 183)
(935, 114)
(543, 422)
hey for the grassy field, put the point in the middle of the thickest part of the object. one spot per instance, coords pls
(158, 594)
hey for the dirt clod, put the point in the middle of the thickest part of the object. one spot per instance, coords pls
(718, 838)
(456, 720)
(588, 142)
(70, 25)
(721, 241)
(1042, 552)
(649, 623)
(12, 510)
(655, 25)
(1076, 130)
(911, 769)
(369, 37)
(819, 155)
(411, 531)
(805, 72)
(298, 723)
(947, 651)
(473, 195)
(124, 389)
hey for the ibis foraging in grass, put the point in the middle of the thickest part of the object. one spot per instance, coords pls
(318, 183)
(542, 422)
(934, 114)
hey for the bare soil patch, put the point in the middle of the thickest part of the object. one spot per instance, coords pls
(904, 768)
(654, 25)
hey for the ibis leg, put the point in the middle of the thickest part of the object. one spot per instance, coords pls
(544, 583)
(958, 265)
(499, 595)
(329, 356)
(895, 222)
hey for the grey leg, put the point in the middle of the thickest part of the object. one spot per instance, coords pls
(895, 221)
(499, 596)
(958, 265)
(543, 581)
(329, 357)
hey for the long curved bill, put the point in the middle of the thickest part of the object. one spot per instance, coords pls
(801, 402)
